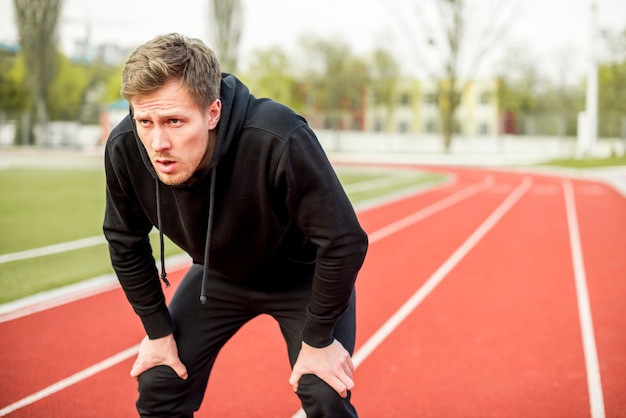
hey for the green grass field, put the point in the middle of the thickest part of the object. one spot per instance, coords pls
(45, 207)
(589, 162)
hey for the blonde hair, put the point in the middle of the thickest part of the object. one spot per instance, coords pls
(173, 57)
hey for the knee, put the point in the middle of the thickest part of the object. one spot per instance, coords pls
(162, 393)
(160, 379)
(320, 400)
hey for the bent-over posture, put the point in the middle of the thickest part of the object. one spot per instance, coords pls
(244, 187)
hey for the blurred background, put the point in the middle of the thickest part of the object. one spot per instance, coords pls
(537, 78)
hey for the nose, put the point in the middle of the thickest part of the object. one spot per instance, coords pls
(160, 140)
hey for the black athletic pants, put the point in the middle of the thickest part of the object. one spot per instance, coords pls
(202, 330)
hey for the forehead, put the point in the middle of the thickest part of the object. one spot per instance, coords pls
(171, 97)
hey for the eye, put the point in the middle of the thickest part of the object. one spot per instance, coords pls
(175, 121)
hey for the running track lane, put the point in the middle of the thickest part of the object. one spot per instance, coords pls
(498, 336)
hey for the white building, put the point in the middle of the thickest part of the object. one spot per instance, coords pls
(415, 109)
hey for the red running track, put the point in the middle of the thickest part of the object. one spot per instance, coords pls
(497, 295)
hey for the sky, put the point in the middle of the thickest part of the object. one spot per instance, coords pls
(552, 33)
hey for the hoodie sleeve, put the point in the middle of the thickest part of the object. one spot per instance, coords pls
(126, 229)
(318, 204)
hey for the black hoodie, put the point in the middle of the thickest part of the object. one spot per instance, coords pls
(279, 214)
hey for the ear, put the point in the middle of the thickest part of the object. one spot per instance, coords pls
(215, 112)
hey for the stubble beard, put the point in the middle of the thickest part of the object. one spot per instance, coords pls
(186, 176)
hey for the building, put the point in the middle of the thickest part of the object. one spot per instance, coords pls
(414, 108)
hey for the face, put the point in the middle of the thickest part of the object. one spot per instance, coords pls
(175, 131)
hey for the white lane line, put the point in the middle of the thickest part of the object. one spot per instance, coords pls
(376, 236)
(69, 381)
(379, 182)
(100, 239)
(594, 382)
(52, 249)
(56, 297)
(431, 210)
(409, 306)
(61, 247)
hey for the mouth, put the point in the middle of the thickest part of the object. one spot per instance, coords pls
(165, 165)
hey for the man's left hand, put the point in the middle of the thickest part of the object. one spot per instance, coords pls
(332, 364)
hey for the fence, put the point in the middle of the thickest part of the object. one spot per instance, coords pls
(501, 149)
(495, 150)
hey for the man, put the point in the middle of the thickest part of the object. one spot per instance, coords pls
(244, 187)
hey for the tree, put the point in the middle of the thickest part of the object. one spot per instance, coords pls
(37, 22)
(269, 75)
(612, 87)
(67, 90)
(112, 86)
(450, 40)
(530, 102)
(337, 81)
(15, 99)
(13, 94)
(383, 75)
(520, 83)
(226, 20)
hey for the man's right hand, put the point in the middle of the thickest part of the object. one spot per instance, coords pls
(158, 352)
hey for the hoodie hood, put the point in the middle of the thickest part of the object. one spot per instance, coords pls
(235, 98)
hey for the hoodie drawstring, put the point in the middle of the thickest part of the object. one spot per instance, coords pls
(159, 223)
(207, 250)
(207, 247)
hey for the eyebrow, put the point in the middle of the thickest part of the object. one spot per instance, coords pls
(164, 115)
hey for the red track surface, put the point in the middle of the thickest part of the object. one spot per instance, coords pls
(494, 331)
